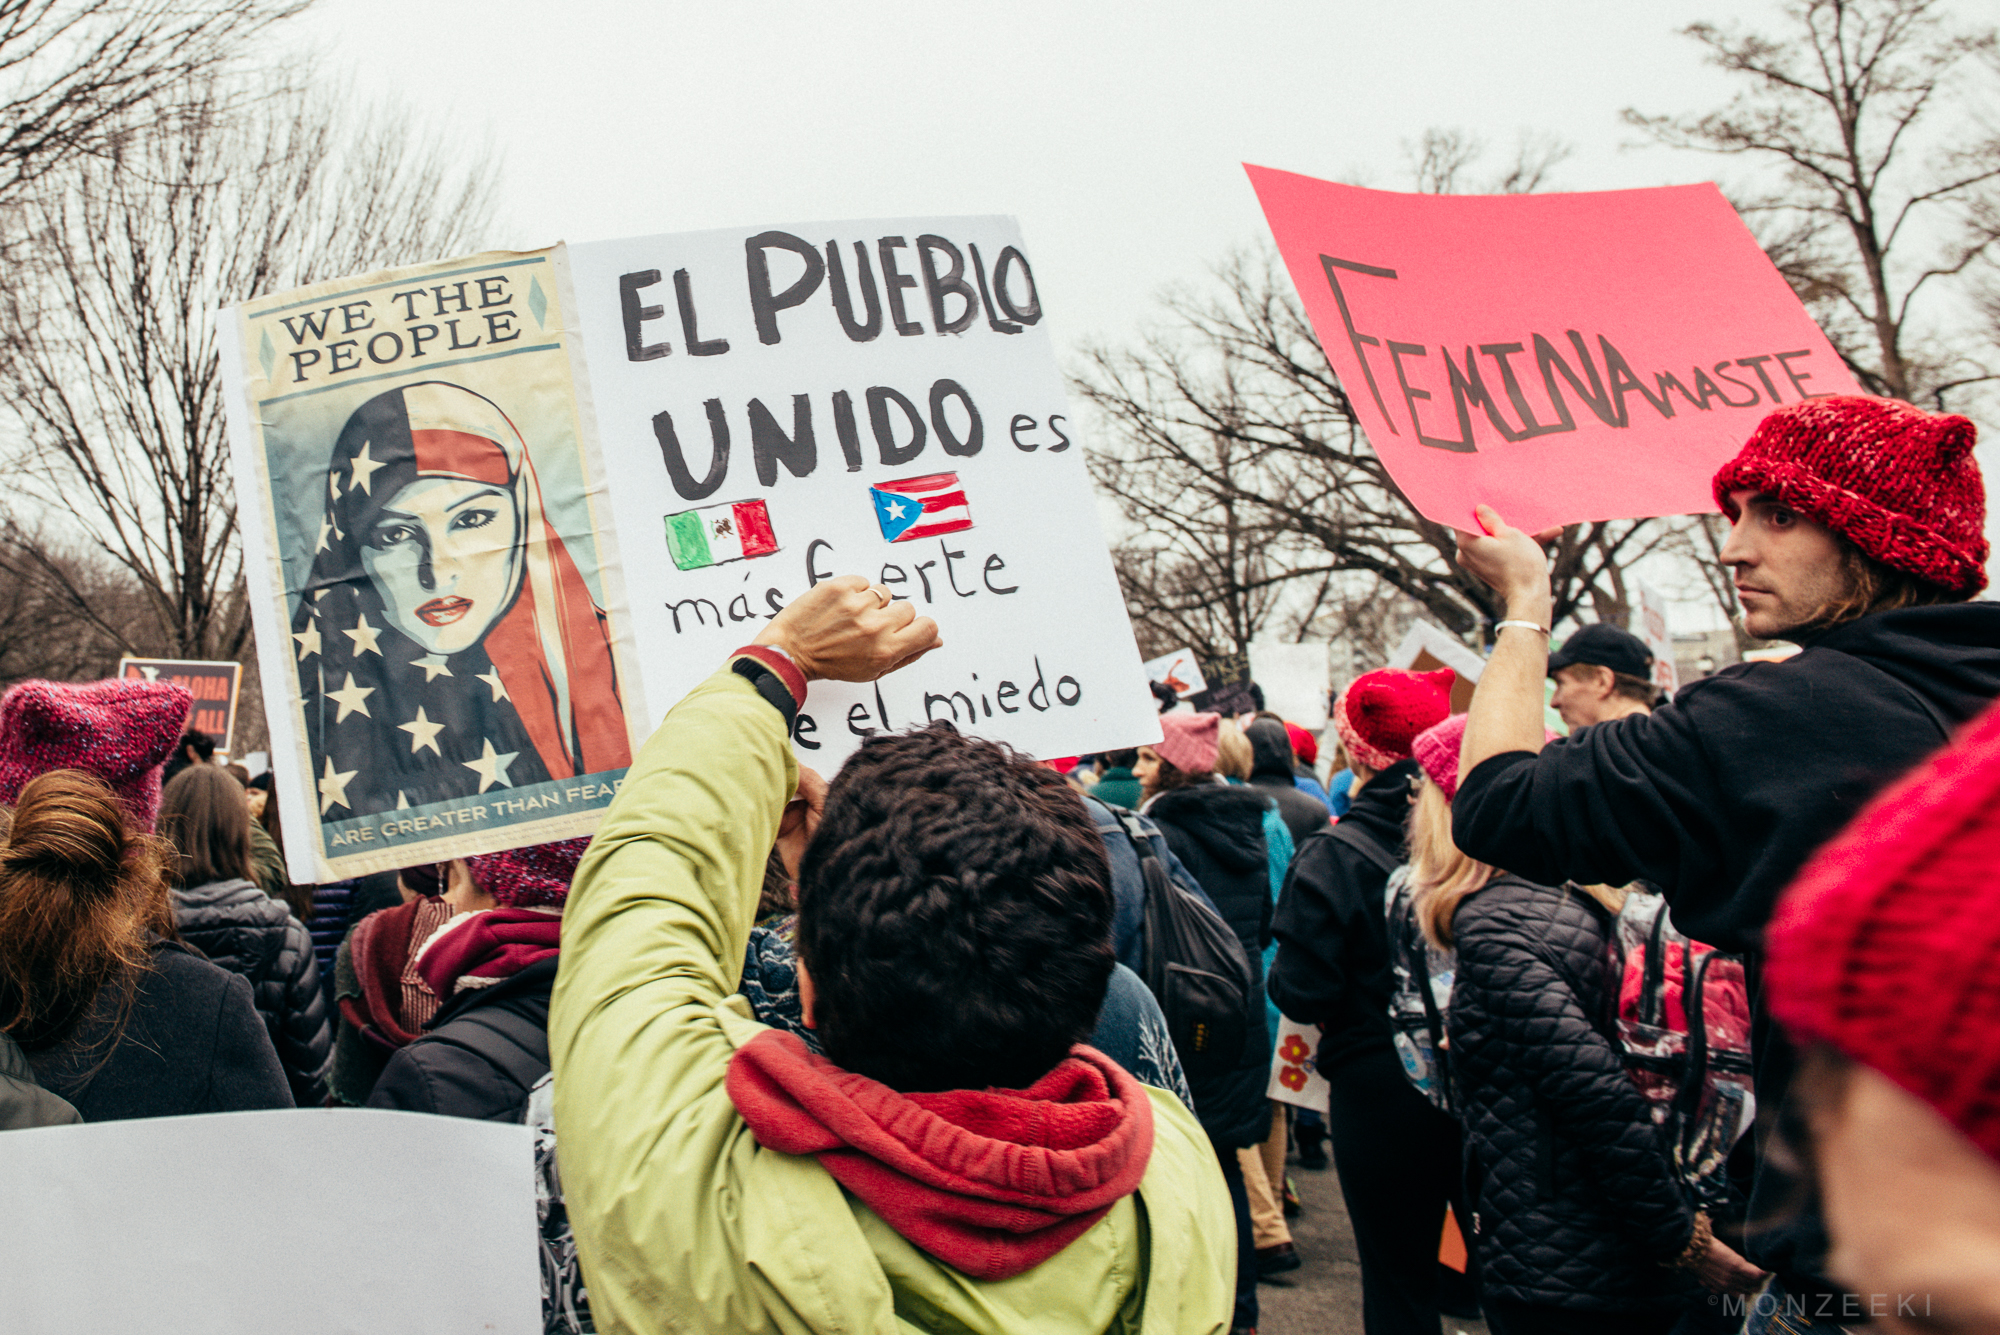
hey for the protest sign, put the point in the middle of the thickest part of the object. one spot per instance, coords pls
(1649, 622)
(504, 511)
(1294, 679)
(1180, 670)
(126, 1224)
(1559, 357)
(213, 686)
(1295, 1074)
(780, 405)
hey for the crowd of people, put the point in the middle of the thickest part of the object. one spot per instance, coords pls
(959, 1040)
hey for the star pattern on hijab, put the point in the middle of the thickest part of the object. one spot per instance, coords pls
(308, 641)
(491, 767)
(352, 699)
(499, 687)
(362, 469)
(333, 787)
(423, 733)
(434, 666)
(364, 637)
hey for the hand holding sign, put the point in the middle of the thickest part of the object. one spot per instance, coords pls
(1512, 564)
(845, 630)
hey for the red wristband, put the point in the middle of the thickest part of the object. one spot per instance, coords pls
(781, 664)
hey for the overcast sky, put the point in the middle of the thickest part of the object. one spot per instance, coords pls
(1114, 131)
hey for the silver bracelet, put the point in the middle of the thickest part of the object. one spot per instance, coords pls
(1542, 631)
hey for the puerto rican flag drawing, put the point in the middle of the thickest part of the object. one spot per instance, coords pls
(717, 533)
(920, 507)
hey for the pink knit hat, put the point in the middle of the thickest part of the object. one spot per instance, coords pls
(524, 877)
(1897, 482)
(1887, 946)
(1383, 711)
(1436, 749)
(119, 731)
(1191, 742)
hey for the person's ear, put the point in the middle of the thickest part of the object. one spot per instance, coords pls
(806, 996)
(1603, 682)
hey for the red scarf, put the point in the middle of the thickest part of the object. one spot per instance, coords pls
(394, 1003)
(992, 1182)
(480, 949)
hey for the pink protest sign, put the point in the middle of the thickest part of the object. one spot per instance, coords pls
(1558, 357)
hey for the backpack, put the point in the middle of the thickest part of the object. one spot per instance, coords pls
(1193, 965)
(1421, 995)
(1684, 1025)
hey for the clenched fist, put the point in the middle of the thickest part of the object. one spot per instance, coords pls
(846, 629)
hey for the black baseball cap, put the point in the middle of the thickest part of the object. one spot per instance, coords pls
(1604, 646)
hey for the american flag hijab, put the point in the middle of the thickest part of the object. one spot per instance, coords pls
(397, 722)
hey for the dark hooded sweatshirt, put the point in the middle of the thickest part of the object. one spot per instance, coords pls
(1272, 774)
(1721, 796)
(1217, 832)
(1332, 967)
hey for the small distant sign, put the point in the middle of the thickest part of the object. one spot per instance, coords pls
(1649, 622)
(1179, 670)
(213, 686)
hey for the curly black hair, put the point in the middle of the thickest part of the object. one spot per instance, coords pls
(955, 915)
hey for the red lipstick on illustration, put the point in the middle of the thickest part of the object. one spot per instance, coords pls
(443, 611)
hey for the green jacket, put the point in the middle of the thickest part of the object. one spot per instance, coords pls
(683, 1222)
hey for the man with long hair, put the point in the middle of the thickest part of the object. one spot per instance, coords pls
(1859, 533)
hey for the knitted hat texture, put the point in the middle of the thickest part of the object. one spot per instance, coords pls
(1192, 741)
(1897, 482)
(1887, 946)
(1383, 711)
(1304, 745)
(525, 877)
(119, 731)
(1436, 750)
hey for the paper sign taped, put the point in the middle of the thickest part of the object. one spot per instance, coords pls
(1560, 357)
(183, 1225)
(501, 513)
(1295, 1077)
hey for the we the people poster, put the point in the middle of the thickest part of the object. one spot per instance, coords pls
(506, 510)
(437, 625)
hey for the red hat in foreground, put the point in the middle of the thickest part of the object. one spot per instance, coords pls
(526, 877)
(1887, 946)
(1897, 482)
(1383, 711)
(119, 731)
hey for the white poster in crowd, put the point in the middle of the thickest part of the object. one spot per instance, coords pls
(313, 1222)
(780, 405)
(502, 512)
(1294, 679)
(1178, 671)
(1295, 1074)
(1649, 622)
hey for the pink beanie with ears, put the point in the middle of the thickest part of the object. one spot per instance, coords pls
(1191, 743)
(1436, 749)
(120, 731)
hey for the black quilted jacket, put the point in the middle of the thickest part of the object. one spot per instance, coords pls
(247, 932)
(484, 1051)
(1574, 1201)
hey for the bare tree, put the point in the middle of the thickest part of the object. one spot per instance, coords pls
(1876, 121)
(76, 74)
(108, 353)
(1256, 503)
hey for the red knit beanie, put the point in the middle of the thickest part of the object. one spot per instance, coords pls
(1191, 743)
(1304, 745)
(1383, 711)
(119, 731)
(1897, 482)
(1887, 946)
(525, 877)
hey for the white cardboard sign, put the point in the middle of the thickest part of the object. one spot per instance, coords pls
(1178, 670)
(314, 1222)
(1649, 622)
(1294, 679)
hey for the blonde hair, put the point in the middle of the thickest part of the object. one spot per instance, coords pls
(1441, 875)
(1233, 757)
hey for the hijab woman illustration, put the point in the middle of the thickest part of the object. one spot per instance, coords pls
(447, 644)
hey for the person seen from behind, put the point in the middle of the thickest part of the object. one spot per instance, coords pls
(1581, 1222)
(1858, 531)
(1274, 772)
(1116, 784)
(1397, 1155)
(953, 939)
(1882, 968)
(223, 913)
(112, 1014)
(196, 748)
(1602, 673)
(1219, 834)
